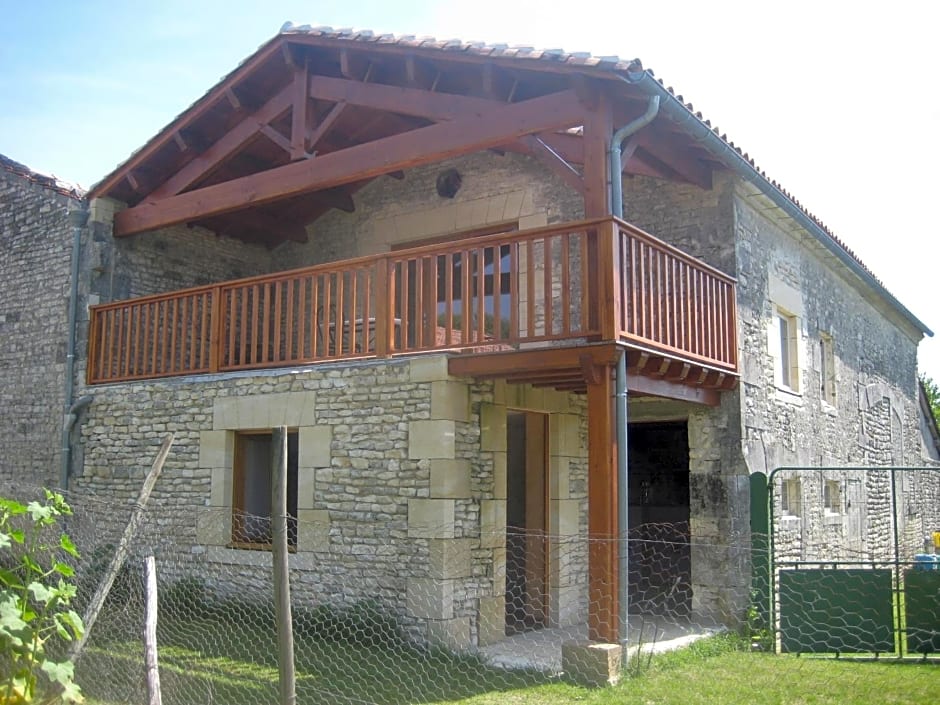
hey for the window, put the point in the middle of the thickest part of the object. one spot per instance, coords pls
(832, 497)
(786, 363)
(827, 369)
(791, 497)
(251, 500)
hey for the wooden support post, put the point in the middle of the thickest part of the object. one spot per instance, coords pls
(150, 632)
(603, 530)
(598, 132)
(281, 569)
(120, 555)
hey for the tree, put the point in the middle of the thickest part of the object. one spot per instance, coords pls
(933, 396)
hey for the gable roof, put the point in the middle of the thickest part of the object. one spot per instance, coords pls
(704, 142)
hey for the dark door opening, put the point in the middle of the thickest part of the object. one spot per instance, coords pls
(526, 521)
(659, 531)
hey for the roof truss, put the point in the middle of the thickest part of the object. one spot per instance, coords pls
(298, 118)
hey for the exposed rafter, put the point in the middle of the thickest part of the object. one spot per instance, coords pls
(554, 161)
(469, 133)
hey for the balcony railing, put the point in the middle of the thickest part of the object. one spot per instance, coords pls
(594, 280)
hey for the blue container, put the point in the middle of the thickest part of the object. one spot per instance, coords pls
(927, 561)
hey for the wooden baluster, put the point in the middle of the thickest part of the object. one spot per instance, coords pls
(480, 270)
(318, 334)
(497, 292)
(566, 293)
(547, 275)
(449, 298)
(215, 327)
(530, 288)
(287, 354)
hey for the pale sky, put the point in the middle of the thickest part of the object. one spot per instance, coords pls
(838, 104)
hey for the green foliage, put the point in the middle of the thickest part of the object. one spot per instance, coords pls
(35, 598)
(933, 396)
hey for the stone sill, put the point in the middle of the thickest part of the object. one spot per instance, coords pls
(790, 522)
(831, 518)
(788, 396)
(241, 557)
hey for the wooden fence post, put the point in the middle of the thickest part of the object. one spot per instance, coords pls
(150, 632)
(281, 571)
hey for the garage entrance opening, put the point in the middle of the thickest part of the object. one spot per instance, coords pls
(659, 531)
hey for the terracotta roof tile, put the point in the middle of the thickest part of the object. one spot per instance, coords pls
(45, 180)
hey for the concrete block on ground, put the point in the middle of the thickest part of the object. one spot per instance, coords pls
(594, 665)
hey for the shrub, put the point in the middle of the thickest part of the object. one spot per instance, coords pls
(34, 601)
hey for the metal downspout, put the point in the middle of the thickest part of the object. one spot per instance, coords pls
(77, 219)
(620, 404)
(616, 147)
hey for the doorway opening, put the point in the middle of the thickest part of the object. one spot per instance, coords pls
(659, 529)
(527, 539)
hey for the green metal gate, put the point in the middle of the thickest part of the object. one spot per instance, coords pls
(851, 561)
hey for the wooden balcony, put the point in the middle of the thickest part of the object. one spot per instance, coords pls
(573, 286)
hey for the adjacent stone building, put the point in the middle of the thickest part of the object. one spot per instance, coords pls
(463, 502)
(35, 259)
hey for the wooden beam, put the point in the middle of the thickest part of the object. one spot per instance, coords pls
(224, 147)
(555, 162)
(181, 142)
(233, 99)
(471, 133)
(398, 99)
(276, 137)
(203, 105)
(680, 161)
(325, 124)
(603, 528)
(598, 131)
(298, 128)
(669, 389)
(536, 362)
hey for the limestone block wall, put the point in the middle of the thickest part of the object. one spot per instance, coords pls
(401, 485)
(510, 190)
(35, 257)
(869, 416)
(163, 260)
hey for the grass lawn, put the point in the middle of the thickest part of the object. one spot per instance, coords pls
(217, 661)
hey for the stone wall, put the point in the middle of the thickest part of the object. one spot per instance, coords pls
(869, 417)
(509, 190)
(35, 258)
(401, 485)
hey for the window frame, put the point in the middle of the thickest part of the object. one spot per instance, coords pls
(827, 369)
(832, 497)
(791, 493)
(787, 357)
(239, 532)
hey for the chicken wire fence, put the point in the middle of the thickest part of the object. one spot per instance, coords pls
(388, 618)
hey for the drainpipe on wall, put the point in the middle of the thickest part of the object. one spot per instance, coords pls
(620, 406)
(616, 147)
(77, 219)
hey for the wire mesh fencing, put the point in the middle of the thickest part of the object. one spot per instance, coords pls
(384, 617)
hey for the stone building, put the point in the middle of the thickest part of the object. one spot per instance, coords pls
(409, 254)
(35, 255)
